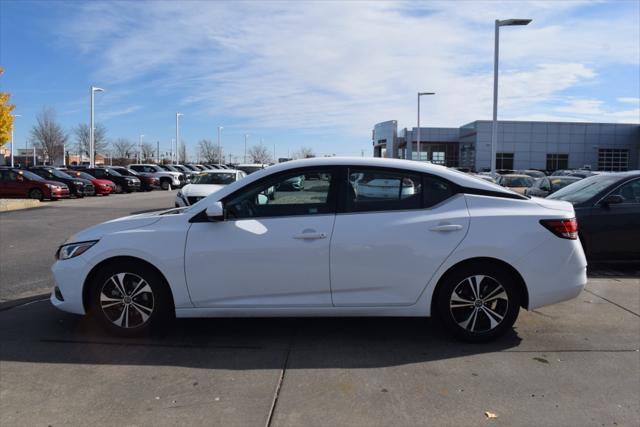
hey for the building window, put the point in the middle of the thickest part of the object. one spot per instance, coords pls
(437, 157)
(504, 160)
(613, 159)
(557, 161)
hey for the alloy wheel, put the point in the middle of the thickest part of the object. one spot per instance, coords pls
(127, 300)
(478, 304)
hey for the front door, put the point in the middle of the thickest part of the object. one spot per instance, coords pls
(398, 229)
(273, 248)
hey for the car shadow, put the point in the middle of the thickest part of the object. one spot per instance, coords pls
(621, 270)
(38, 333)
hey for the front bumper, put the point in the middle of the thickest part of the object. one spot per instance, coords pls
(68, 276)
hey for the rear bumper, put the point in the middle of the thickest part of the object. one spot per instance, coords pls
(554, 272)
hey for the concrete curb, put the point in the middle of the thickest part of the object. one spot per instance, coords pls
(7, 305)
(7, 205)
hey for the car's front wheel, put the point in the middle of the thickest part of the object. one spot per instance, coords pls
(130, 298)
(36, 193)
(478, 302)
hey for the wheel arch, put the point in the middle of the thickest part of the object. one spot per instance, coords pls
(86, 295)
(522, 287)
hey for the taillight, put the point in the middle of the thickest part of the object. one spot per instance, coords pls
(563, 228)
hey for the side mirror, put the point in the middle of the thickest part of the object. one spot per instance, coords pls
(215, 212)
(612, 199)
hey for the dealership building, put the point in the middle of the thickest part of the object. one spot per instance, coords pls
(521, 145)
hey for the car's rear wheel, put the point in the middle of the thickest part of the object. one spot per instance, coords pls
(118, 188)
(36, 193)
(130, 299)
(478, 302)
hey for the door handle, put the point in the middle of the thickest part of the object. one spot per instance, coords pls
(310, 236)
(447, 227)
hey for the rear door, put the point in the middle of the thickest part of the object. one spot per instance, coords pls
(397, 229)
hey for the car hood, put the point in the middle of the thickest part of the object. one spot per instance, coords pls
(125, 223)
(557, 205)
(103, 182)
(200, 190)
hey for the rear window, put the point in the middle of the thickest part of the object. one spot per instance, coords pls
(585, 189)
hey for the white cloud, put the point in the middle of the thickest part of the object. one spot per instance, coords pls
(347, 65)
(628, 100)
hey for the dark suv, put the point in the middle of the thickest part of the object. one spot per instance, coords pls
(78, 187)
(123, 183)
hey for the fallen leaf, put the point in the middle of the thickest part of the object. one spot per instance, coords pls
(490, 415)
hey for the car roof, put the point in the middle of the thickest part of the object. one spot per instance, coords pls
(516, 175)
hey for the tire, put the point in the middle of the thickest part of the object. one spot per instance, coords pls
(129, 314)
(478, 318)
(36, 193)
(118, 189)
(165, 185)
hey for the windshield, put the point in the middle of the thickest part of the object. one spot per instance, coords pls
(59, 174)
(558, 183)
(124, 171)
(584, 189)
(214, 178)
(517, 181)
(113, 172)
(84, 175)
(30, 175)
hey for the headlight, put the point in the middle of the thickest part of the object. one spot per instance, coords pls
(73, 249)
(78, 183)
(179, 193)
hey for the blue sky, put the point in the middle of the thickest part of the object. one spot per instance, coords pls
(316, 74)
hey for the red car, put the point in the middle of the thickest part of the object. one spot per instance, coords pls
(21, 184)
(104, 187)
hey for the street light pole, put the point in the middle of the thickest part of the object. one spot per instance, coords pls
(91, 128)
(13, 126)
(418, 136)
(140, 149)
(246, 135)
(494, 124)
(177, 155)
(219, 146)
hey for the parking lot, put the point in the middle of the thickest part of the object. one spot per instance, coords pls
(572, 364)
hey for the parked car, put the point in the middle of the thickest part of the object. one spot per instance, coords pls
(103, 187)
(168, 179)
(22, 184)
(517, 183)
(324, 251)
(381, 186)
(124, 184)
(179, 168)
(548, 185)
(148, 181)
(607, 207)
(488, 178)
(205, 183)
(78, 187)
(250, 168)
(533, 173)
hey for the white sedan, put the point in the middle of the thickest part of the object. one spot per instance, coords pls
(204, 183)
(468, 251)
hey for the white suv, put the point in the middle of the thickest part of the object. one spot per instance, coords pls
(168, 179)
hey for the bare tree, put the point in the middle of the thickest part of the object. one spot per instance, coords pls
(208, 151)
(81, 133)
(259, 154)
(148, 151)
(303, 153)
(123, 148)
(49, 135)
